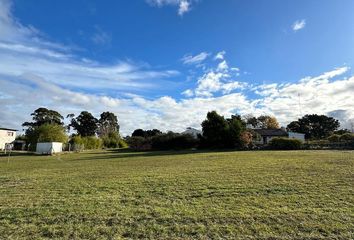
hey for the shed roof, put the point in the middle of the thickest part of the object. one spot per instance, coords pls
(271, 132)
(8, 129)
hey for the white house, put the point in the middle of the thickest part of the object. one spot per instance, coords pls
(268, 134)
(192, 131)
(7, 136)
(49, 148)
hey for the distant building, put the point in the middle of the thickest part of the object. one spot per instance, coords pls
(7, 136)
(49, 148)
(268, 134)
(193, 132)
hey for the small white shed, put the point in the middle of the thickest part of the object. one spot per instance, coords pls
(49, 148)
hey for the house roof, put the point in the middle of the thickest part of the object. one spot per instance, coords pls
(8, 129)
(271, 132)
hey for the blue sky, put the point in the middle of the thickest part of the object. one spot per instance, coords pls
(165, 63)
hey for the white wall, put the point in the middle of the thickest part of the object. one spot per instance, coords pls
(6, 136)
(49, 148)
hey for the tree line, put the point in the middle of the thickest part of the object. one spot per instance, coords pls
(236, 132)
(48, 126)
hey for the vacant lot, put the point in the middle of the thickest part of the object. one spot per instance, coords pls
(178, 195)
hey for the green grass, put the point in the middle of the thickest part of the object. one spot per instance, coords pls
(178, 195)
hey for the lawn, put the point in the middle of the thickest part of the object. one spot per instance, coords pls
(178, 195)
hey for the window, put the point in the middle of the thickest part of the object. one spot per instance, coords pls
(10, 134)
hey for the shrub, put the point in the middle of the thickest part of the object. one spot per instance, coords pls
(285, 144)
(122, 144)
(173, 141)
(92, 143)
(347, 137)
(165, 141)
(246, 139)
(88, 143)
(139, 143)
(334, 138)
(111, 140)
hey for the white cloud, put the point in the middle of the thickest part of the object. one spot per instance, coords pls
(223, 66)
(184, 6)
(320, 95)
(197, 59)
(213, 82)
(22, 50)
(188, 93)
(220, 55)
(298, 25)
(216, 80)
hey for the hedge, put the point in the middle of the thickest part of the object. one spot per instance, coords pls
(285, 144)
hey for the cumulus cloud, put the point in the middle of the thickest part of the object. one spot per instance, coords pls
(298, 25)
(216, 80)
(321, 95)
(184, 6)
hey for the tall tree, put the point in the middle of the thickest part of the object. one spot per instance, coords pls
(268, 122)
(263, 121)
(215, 130)
(315, 126)
(85, 124)
(251, 120)
(45, 133)
(44, 116)
(107, 124)
(146, 134)
(236, 127)
(219, 132)
(138, 133)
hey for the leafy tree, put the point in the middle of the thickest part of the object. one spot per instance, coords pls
(264, 121)
(251, 120)
(268, 122)
(315, 126)
(152, 133)
(44, 116)
(334, 138)
(236, 127)
(347, 137)
(138, 133)
(85, 124)
(111, 140)
(246, 139)
(146, 134)
(215, 130)
(342, 131)
(45, 133)
(107, 124)
(219, 132)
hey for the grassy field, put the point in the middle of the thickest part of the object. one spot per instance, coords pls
(178, 195)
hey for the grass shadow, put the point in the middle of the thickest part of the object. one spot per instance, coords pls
(129, 153)
(16, 154)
